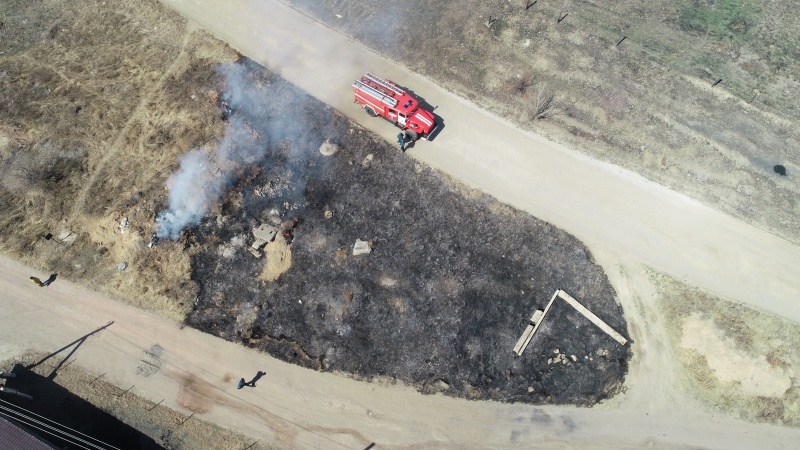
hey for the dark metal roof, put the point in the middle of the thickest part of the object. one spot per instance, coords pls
(12, 436)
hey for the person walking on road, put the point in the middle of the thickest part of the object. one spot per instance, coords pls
(35, 280)
(401, 139)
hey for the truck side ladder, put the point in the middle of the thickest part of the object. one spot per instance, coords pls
(381, 82)
(378, 95)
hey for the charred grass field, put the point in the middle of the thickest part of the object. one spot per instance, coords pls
(440, 300)
(105, 99)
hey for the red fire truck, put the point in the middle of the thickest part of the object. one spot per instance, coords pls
(381, 97)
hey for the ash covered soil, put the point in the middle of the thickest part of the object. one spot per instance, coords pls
(449, 285)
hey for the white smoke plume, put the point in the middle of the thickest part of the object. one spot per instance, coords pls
(189, 197)
(205, 173)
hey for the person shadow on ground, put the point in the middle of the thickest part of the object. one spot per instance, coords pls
(50, 280)
(251, 383)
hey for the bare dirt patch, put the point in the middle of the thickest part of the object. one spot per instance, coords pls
(755, 375)
(735, 359)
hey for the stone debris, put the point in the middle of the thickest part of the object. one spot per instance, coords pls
(123, 224)
(367, 160)
(264, 234)
(328, 214)
(561, 358)
(327, 148)
(122, 266)
(361, 248)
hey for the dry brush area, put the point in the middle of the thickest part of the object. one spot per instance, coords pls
(735, 360)
(100, 105)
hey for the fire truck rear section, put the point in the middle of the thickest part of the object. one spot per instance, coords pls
(382, 97)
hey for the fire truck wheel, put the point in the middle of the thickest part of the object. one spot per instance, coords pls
(411, 136)
(371, 112)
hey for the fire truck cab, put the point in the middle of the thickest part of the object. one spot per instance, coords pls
(382, 97)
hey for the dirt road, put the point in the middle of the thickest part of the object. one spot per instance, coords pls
(299, 408)
(597, 202)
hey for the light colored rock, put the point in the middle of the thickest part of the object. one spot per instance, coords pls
(328, 214)
(368, 160)
(361, 248)
(574, 358)
(327, 148)
(121, 266)
(556, 351)
(227, 252)
(123, 224)
(265, 232)
(441, 385)
(387, 282)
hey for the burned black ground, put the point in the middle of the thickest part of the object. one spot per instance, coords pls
(442, 298)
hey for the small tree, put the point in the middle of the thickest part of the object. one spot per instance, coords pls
(545, 104)
(520, 85)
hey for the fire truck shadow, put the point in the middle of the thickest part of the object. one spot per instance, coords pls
(439, 121)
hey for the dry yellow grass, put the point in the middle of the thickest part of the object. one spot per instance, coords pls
(109, 100)
(752, 341)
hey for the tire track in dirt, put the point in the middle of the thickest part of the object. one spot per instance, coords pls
(135, 116)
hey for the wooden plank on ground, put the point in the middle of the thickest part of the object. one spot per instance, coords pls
(593, 318)
(525, 339)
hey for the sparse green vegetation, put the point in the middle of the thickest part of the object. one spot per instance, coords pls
(727, 19)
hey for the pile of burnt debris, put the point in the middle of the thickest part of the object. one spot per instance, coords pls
(440, 298)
